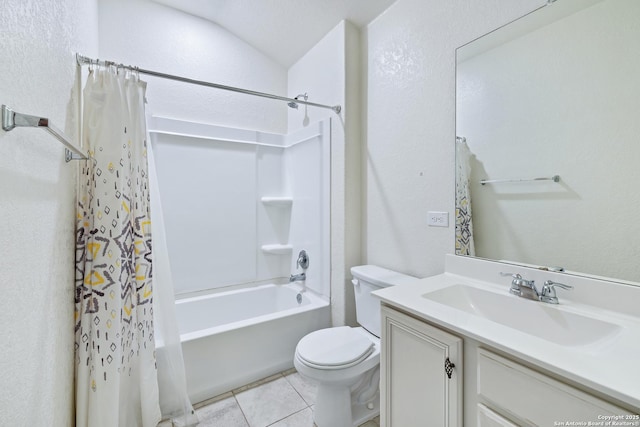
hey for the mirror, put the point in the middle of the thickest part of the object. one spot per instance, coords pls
(555, 93)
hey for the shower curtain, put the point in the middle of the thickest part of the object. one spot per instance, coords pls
(172, 383)
(116, 378)
(464, 225)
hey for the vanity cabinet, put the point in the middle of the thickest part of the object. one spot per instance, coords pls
(416, 388)
(528, 397)
(499, 391)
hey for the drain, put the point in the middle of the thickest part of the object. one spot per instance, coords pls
(299, 298)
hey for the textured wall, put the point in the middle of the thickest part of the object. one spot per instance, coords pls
(409, 125)
(156, 37)
(37, 209)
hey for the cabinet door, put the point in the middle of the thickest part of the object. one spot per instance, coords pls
(415, 388)
(488, 418)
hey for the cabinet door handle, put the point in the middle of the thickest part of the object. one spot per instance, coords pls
(448, 367)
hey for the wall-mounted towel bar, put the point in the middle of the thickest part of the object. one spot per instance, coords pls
(11, 120)
(554, 178)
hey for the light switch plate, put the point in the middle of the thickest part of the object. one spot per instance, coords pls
(438, 219)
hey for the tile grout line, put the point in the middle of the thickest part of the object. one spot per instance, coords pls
(253, 385)
(260, 383)
(299, 394)
(246, 420)
(284, 418)
(211, 400)
(256, 384)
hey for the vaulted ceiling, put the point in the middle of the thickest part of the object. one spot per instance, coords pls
(282, 29)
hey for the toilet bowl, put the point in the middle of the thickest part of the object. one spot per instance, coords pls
(345, 361)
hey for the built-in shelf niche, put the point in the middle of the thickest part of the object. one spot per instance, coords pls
(281, 201)
(277, 249)
(284, 203)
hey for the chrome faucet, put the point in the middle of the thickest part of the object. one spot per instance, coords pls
(527, 289)
(302, 262)
(548, 294)
(522, 287)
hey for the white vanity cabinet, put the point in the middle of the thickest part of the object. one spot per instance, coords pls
(416, 361)
(526, 363)
(415, 390)
(529, 397)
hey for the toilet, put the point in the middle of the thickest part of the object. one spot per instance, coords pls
(345, 361)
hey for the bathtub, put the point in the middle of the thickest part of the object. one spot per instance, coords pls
(230, 339)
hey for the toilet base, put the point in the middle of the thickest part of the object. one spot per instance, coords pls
(334, 408)
(360, 414)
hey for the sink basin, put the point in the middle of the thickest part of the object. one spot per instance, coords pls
(532, 317)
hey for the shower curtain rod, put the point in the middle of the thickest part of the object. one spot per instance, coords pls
(83, 60)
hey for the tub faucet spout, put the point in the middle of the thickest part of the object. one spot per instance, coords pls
(296, 277)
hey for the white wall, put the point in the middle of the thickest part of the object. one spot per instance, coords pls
(37, 208)
(409, 90)
(156, 37)
(328, 74)
(572, 114)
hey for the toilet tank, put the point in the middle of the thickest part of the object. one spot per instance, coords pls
(369, 278)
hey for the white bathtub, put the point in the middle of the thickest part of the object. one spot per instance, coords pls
(230, 339)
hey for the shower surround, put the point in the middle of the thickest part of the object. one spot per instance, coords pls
(238, 207)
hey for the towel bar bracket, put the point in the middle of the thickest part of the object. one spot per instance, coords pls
(12, 119)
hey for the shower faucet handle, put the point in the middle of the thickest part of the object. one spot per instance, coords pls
(303, 260)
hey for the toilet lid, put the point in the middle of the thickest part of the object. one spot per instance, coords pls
(334, 347)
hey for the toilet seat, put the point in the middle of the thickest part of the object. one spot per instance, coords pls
(334, 348)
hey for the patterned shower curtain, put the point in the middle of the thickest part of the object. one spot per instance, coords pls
(116, 378)
(464, 225)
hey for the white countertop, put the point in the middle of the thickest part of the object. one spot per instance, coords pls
(610, 365)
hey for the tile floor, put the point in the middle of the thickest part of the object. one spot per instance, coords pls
(282, 400)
